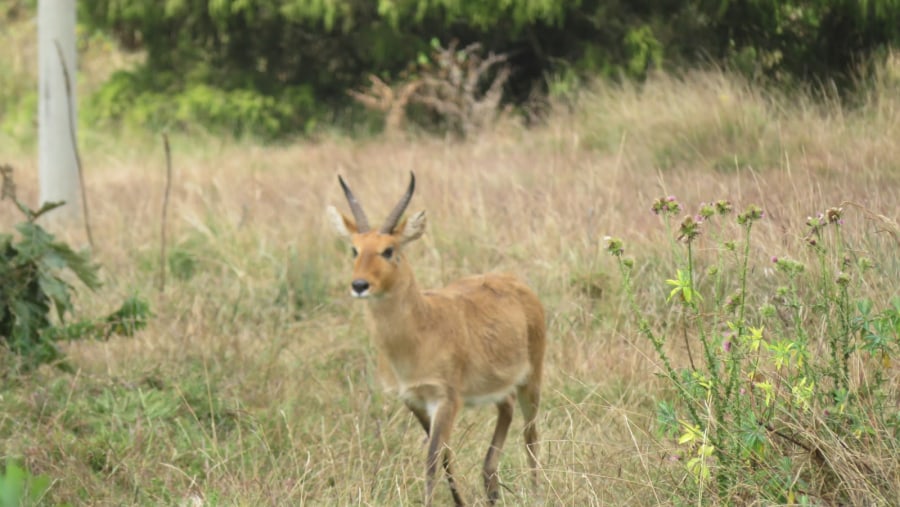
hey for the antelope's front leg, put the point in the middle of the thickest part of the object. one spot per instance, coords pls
(442, 413)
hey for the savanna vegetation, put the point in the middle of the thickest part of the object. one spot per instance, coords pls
(718, 260)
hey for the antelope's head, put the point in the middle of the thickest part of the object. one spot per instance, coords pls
(379, 263)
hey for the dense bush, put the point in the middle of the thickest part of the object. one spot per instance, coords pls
(275, 66)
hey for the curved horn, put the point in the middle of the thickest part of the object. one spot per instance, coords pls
(392, 219)
(362, 223)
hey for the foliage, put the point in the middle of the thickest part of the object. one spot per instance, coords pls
(761, 412)
(268, 67)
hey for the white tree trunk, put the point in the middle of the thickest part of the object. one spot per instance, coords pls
(58, 171)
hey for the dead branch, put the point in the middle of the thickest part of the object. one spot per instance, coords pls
(84, 197)
(382, 97)
(456, 88)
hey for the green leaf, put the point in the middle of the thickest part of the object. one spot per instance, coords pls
(28, 318)
(58, 292)
(38, 488)
(12, 485)
(78, 263)
(683, 285)
(34, 243)
(864, 306)
(666, 419)
(19, 487)
(692, 433)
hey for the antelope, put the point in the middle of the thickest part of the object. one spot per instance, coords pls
(480, 340)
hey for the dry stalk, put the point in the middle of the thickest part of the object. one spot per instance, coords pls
(886, 224)
(8, 190)
(165, 207)
(84, 198)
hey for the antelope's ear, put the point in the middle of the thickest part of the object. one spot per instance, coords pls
(343, 225)
(411, 229)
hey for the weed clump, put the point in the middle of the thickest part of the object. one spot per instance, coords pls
(789, 400)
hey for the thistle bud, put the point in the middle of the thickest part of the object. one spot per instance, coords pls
(614, 246)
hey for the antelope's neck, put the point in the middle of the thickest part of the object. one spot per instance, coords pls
(394, 320)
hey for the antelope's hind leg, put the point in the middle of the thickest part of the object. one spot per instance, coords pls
(492, 459)
(529, 401)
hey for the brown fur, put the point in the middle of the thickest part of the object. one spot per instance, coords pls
(479, 340)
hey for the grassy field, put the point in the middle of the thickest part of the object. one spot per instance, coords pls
(253, 383)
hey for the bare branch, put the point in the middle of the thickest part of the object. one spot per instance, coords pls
(454, 88)
(382, 97)
(84, 197)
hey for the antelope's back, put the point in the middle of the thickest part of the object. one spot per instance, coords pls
(498, 311)
(502, 340)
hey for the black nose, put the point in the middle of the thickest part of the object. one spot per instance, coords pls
(360, 286)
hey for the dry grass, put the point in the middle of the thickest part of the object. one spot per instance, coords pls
(253, 383)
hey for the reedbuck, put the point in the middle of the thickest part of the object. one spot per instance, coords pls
(479, 340)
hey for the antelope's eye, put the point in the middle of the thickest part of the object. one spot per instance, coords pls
(354, 251)
(387, 253)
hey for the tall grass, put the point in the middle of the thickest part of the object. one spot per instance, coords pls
(254, 382)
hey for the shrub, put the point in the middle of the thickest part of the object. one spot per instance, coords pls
(32, 270)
